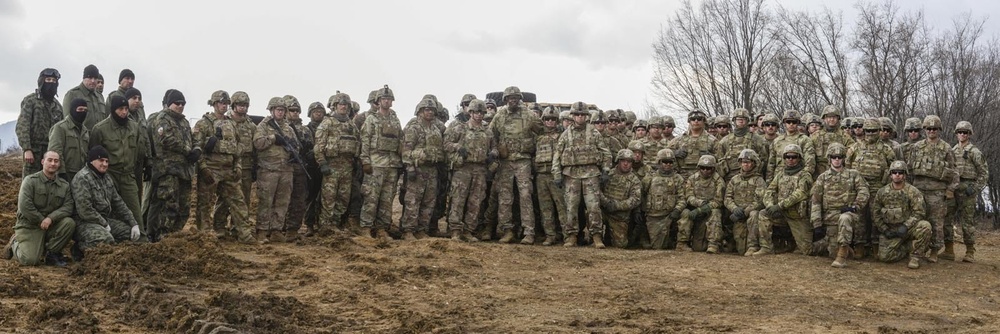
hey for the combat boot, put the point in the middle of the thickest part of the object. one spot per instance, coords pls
(970, 253)
(262, 236)
(933, 256)
(277, 236)
(549, 240)
(712, 249)
(841, 260)
(682, 246)
(507, 237)
(54, 259)
(751, 250)
(383, 234)
(469, 237)
(456, 235)
(914, 262)
(408, 236)
(598, 241)
(570, 240)
(421, 235)
(8, 250)
(365, 232)
(763, 251)
(949, 251)
(528, 240)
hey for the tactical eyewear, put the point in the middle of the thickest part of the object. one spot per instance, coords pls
(721, 126)
(770, 124)
(791, 157)
(696, 119)
(666, 161)
(656, 126)
(836, 157)
(668, 125)
(295, 110)
(856, 126)
(932, 129)
(544, 119)
(465, 104)
(51, 72)
(913, 130)
(791, 121)
(599, 122)
(872, 130)
(706, 168)
(483, 112)
(898, 172)
(963, 132)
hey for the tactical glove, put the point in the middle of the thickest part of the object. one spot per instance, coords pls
(970, 190)
(210, 146)
(366, 168)
(680, 154)
(134, 234)
(218, 133)
(739, 213)
(849, 208)
(773, 211)
(279, 140)
(559, 183)
(605, 177)
(194, 155)
(326, 170)
(896, 232)
(463, 152)
(675, 215)
(819, 233)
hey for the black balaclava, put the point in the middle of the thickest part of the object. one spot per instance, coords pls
(78, 117)
(48, 90)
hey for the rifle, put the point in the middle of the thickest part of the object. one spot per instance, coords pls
(296, 158)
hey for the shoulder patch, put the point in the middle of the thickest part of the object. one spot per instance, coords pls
(159, 131)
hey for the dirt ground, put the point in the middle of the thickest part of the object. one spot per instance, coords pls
(193, 283)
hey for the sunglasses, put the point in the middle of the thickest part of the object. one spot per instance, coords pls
(696, 119)
(837, 157)
(666, 161)
(872, 131)
(963, 132)
(543, 119)
(599, 122)
(721, 126)
(897, 172)
(295, 110)
(771, 124)
(791, 157)
(932, 129)
(856, 126)
(465, 104)
(706, 168)
(913, 130)
(791, 122)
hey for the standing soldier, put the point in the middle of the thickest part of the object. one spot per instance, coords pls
(654, 141)
(423, 151)
(730, 147)
(933, 166)
(277, 149)
(668, 130)
(600, 120)
(639, 130)
(786, 201)
(298, 204)
(898, 210)
(70, 139)
(337, 150)
(126, 79)
(44, 217)
(723, 126)
(619, 196)
(550, 198)
(743, 201)
(625, 127)
(101, 215)
(469, 145)
(828, 135)
(316, 113)
(913, 135)
(769, 129)
(974, 173)
(837, 197)
(127, 145)
(640, 168)
(813, 123)
(381, 161)
(245, 130)
(177, 154)
(664, 199)
(791, 136)
(888, 135)
(703, 192)
(40, 112)
(581, 159)
(220, 171)
(515, 128)
(690, 146)
(137, 114)
(87, 90)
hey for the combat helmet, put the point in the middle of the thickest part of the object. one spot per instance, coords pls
(219, 96)
(598, 116)
(276, 102)
(48, 72)
(636, 145)
(836, 149)
(315, 106)
(696, 113)
(792, 148)
(578, 108)
(792, 115)
(338, 98)
(629, 117)
(810, 118)
(722, 120)
(467, 98)
(240, 97)
(898, 165)
(667, 121)
(640, 124)
(912, 123)
(830, 110)
(477, 105)
(665, 154)
(872, 124)
(655, 122)
(373, 96)
(612, 115)
(964, 125)
(741, 112)
(385, 92)
(512, 91)
(706, 161)
(565, 116)
(292, 103)
(425, 103)
(624, 154)
(748, 154)
(355, 106)
(548, 112)
(490, 102)
(885, 122)
(771, 118)
(932, 121)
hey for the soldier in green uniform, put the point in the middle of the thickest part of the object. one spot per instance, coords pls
(913, 128)
(515, 128)
(664, 199)
(600, 120)
(381, 151)
(469, 145)
(743, 202)
(654, 140)
(792, 135)
(128, 145)
(275, 142)
(87, 90)
(619, 197)
(44, 217)
(298, 205)
(423, 151)
(581, 162)
(101, 215)
(551, 202)
(870, 157)
(932, 164)
(898, 210)
(639, 130)
(177, 154)
(690, 146)
(701, 221)
(40, 111)
(70, 139)
(786, 202)
(730, 147)
(837, 197)
(337, 149)
(245, 129)
(974, 173)
(827, 135)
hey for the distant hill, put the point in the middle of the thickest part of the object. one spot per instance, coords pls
(8, 137)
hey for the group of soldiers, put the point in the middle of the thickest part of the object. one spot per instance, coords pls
(823, 186)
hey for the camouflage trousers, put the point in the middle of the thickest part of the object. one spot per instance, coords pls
(800, 227)
(841, 230)
(936, 209)
(297, 203)
(965, 211)
(221, 216)
(659, 231)
(618, 226)
(169, 206)
(89, 235)
(551, 202)
(30, 244)
(589, 189)
(421, 193)
(378, 192)
(222, 185)
(274, 191)
(128, 189)
(468, 188)
(702, 232)
(336, 194)
(512, 171)
(745, 232)
(892, 250)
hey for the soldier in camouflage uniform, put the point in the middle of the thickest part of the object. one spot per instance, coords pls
(469, 147)
(701, 221)
(245, 130)
(710, 126)
(101, 215)
(423, 151)
(40, 111)
(550, 198)
(600, 120)
(515, 129)
(44, 224)
(668, 130)
(219, 171)
(316, 113)
(791, 136)
(786, 202)
(653, 141)
(619, 197)
(743, 201)
(974, 173)
(582, 162)
(870, 157)
(932, 164)
(639, 130)
(381, 151)
(730, 147)
(337, 150)
(614, 127)
(690, 146)
(913, 128)
(87, 90)
(299, 203)
(898, 210)
(888, 133)
(628, 121)
(70, 139)
(837, 197)
(826, 136)
(723, 126)
(664, 199)
(812, 122)
(640, 168)
(176, 152)
(639, 233)
(128, 145)
(769, 131)
(275, 143)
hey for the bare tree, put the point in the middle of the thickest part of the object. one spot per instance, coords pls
(815, 45)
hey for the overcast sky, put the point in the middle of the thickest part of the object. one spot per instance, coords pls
(564, 51)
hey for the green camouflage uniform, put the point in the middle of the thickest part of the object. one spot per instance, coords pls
(468, 180)
(580, 158)
(33, 123)
(664, 193)
(515, 132)
(621, 195)
(551, 199)
(170, 194)
(891, 208)
(822, 139)
(98, 205)
(71, 140)
(871, 158)
(729, 147)
(38, 199)
(932, 165)
(790, 191)
(219, 175)
(127, 145)
(651, 146)
(298, 205)
(337, 148)
(744, 191)
(774, 162)
(833, 194)
(96, 109)
(974, 173)
(695, 147)
(245, 130)
(700, 192)
(381, 148)
(423, 151)
(274, 179)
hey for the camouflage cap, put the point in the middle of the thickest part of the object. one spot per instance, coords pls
(292, 103)
(912, 123)
(898, 165)
(963, 125)
(240, 97)
(836, 149)
(219, 96)
(665, 154)
(706, 161)
(625, 154)
(932, 121)
(830, 110)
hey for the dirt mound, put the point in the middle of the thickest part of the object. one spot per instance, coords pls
(14, 282)
(263, 313)
(65, 316)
